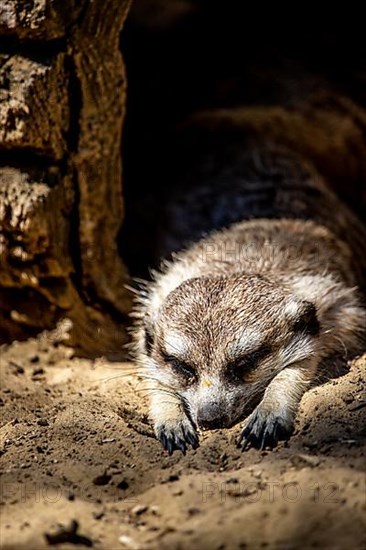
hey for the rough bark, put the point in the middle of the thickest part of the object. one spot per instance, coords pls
(39, 19)
(62, 96)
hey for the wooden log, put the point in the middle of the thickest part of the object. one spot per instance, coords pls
(41, 20)
(34, 109)
(61, 204)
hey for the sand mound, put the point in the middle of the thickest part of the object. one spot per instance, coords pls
(80, 466)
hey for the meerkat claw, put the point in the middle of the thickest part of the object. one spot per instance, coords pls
(192, 440)
(181, 445)
(177, 440)
(263, 431)
(269, 439)
(167, 443)
(242, 442)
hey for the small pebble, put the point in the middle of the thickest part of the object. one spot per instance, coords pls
(139, 509)
(128, 542)
(43, 422)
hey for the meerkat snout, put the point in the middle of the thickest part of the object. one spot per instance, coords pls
(211, 416)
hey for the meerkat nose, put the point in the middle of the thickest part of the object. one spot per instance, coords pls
(211, 416)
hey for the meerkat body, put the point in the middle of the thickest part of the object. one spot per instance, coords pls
(266, 293)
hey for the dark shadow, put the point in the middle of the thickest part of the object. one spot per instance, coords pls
(196, 55)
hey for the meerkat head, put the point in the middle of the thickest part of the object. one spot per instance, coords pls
(217, 342)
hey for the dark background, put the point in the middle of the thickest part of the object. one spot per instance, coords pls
(185, 56)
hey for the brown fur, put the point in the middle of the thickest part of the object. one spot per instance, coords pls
(252, 313)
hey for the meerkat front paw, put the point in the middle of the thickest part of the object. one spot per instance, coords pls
(265, 428)
(177, 435)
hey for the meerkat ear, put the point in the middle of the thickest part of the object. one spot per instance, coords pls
(307, 320)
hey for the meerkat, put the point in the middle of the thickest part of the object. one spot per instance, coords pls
(265, 294)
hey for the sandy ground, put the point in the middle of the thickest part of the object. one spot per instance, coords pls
(80, 466)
